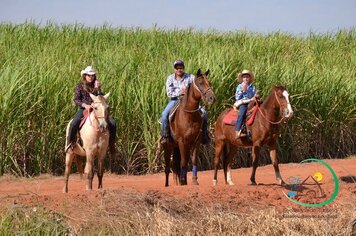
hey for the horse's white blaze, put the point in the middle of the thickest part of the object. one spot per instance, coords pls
(286, 95)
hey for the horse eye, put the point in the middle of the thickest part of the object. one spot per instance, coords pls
(95, 108)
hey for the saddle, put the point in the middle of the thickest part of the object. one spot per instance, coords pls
(86, 114)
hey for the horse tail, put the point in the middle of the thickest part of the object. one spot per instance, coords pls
(176, 164)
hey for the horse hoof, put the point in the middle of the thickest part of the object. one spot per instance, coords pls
(65, 190)
(215, 182)
(281, 182)
(253, 183)
(195, 182)
(230, 183)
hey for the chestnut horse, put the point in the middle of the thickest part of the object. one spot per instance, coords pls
(186, 129)
(95, 139)
(264, 130)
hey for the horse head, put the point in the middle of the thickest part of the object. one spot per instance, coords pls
(101, 110)
(282, 101)
(202, 85)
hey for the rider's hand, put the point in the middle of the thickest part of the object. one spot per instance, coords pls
(97, 84)
(183, 90)
(86, 106)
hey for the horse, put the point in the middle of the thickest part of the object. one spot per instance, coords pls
(186, 127)
(95, 139)
(264, 130)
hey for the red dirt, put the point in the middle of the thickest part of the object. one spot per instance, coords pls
(47, 190)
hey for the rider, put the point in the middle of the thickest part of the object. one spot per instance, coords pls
(176, 86)
(245, 93)
(82, 99)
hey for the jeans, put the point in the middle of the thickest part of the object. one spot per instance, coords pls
(165, 118)
(242, 116)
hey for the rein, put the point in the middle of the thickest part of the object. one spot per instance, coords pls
(280, 107)
(201, 94)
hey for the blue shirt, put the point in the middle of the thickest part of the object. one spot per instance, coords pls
(174, 86)
(248, 94)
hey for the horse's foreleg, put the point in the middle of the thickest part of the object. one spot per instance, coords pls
(89, 172)
(274, 158)
(255, 157)
(194, 162)
(69, 159)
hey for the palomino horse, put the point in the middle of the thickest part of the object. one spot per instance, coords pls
(264, 130)
(186, 129)
(95, 138)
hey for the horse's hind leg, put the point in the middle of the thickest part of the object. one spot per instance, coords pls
(167, 160)
(79, 163)
(228, 163)
(100, 171)
(69, 159)
(255, 157)
(274, 158)
(194, 162)
(219, 150)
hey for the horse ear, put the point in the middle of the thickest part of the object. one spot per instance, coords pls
(92, 96)
(199, 72)
(207, 72)
(285, 86)
(274, 87)
(106, 96)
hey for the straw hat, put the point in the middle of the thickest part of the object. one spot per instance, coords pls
(88, 71)
(244, 72)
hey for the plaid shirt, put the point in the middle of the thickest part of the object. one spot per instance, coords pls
(174, 86)
(81, 96)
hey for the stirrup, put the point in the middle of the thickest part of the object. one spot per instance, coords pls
(239, 134)
(70, 145)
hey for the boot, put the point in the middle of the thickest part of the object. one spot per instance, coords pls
(165, 138)
(205, 139)
(239, 134)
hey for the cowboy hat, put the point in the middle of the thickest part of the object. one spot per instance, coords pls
(244, 72)
(88, 71)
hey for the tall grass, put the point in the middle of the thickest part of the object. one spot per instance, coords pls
(39, 68)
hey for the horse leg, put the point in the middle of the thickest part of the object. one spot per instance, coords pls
(69, 159)
(100, 171)
(194, 163)
(230, 156)
(274, 158)
(184, 153)
(79, 163)
(219, 149)
(167, 158)
(89, 172)
(176, 165)
(255, 157)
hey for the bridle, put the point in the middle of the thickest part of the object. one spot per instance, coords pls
(280, 109)
(202, 94)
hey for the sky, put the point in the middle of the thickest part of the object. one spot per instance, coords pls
(298, 17)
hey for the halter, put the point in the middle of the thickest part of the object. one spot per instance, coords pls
(280, 108)
(202, 94)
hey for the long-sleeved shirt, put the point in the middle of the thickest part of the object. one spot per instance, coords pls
(174, 86)
(81, 96)
(247, 94)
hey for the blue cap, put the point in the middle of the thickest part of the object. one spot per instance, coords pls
(178, 63)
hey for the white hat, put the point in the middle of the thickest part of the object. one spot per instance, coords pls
(88, 71)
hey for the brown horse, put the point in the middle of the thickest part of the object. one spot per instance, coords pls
(264, 130)
(186, 129)
(95, 138)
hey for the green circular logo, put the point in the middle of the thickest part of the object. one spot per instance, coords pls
(333, 196)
